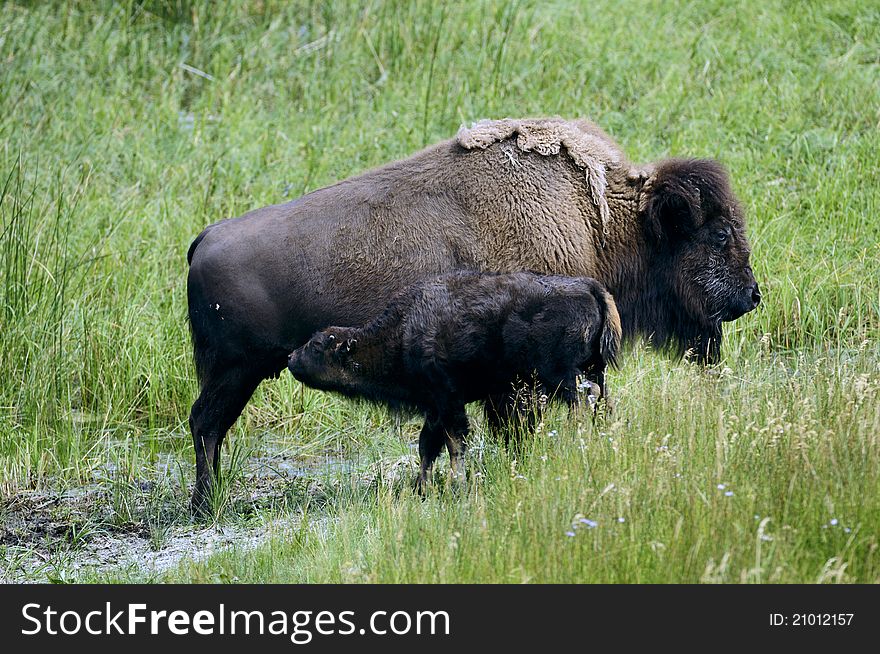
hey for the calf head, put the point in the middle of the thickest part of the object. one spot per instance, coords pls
(701, 250)
(325, 362)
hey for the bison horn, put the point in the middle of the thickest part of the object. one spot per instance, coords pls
(349, 344)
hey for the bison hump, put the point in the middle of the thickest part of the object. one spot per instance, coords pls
(589, 149)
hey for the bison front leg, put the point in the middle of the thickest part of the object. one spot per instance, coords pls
(705, 347)
(430, 444)
(456, 428)
(447, 426)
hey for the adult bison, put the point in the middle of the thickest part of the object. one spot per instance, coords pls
(547, 195)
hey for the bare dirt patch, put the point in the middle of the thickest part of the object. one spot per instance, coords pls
(143, 526)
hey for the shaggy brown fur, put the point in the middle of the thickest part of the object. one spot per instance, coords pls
(672, 251)
(591, 150)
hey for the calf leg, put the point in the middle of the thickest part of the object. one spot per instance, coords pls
(567, 391)
(455, 428)
(449, 426)
(497, 413)
(430, 444)
(596, 378)
(220, 402)
(510, 413)
(599, 378)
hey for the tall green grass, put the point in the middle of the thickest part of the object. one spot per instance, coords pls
(126, 127)
(777, 482)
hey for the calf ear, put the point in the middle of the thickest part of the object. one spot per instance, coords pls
(670, 201)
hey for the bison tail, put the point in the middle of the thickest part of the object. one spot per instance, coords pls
(194, 245)
(609, 339)
(203, 355)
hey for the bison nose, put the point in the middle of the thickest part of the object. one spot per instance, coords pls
(756, 295)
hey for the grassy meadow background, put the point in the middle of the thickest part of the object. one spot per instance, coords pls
(127, 127)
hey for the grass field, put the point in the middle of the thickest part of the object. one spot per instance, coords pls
(127, 127)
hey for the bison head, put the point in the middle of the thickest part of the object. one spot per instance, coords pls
(697, 230)
(325, 362)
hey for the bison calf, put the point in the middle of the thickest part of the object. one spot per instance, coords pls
(463, 337)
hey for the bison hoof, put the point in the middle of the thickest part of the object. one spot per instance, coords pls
(421, 485)
(200, 505)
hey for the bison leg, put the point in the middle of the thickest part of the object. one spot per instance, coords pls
(567, 391)
(430, 445)
(456, 427)
(596, 386)
(599, 379)
(450, 427)
(219, 404)
(510, 414)
(705, 347)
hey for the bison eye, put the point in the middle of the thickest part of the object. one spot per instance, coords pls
(719, 239)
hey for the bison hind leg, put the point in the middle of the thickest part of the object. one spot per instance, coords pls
(512, 415)
(567, 390)
(456, 428)
(431, 441)
(223, 396)
(595, 388)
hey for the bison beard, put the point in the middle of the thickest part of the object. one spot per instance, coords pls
(463, 337)
(667, 240)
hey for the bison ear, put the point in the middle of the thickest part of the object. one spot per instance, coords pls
(670, 200)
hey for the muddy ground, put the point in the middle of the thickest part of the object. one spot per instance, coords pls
(141, 526)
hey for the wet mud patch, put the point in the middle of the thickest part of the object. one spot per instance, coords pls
(140, 526)
(132, 553)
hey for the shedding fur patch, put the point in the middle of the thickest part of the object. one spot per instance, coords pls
(547, 136)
